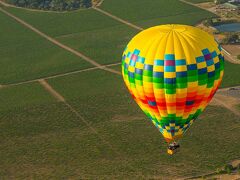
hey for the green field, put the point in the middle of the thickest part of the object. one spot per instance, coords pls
(45, 139)
(155, 13)
(24, 55)
(50, 141)
(59, 24)
(110, 108)
(105, 45)
(231, 71)
(101, 38)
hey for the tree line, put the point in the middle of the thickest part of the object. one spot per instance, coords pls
(54, 5)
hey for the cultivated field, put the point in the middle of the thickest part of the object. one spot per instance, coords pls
(230, 75)
(96, 131)
(101, 38)
(43, 138)
(146, 14)
(25, 55)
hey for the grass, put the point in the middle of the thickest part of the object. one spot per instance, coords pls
(34, 94)
(104, 102)
(25, 55)
(188, 18)
(97, 87)
(43, 139)
(105, 46)
(59, 24)
(48, 141)
(101, 38)
(238, 106)
(231, 72)
(155, 13)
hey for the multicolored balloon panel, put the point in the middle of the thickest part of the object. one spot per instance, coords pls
(172, 72)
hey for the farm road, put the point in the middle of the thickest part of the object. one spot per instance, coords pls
(52, 91)
(57, 75)
(228, 102)
(231, 59)
(118, 19)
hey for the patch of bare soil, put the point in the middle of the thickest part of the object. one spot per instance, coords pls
(220, 37)
(97, 3)
(228, 102)
(231, 58)
(232, 49)
(206, 5)
(214, 102)
(235, 163)
(233, 91)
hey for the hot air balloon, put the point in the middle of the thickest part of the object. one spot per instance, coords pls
(172, 72)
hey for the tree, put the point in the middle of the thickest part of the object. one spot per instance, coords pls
(228, 168)
(55, 5)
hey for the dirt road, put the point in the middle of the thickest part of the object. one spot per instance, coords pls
(118, 19)
(228, 102)
(57, 75)
(49, 88)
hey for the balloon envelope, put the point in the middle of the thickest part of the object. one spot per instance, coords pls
(172, 72)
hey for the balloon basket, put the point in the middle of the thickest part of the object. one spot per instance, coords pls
(173, 148)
